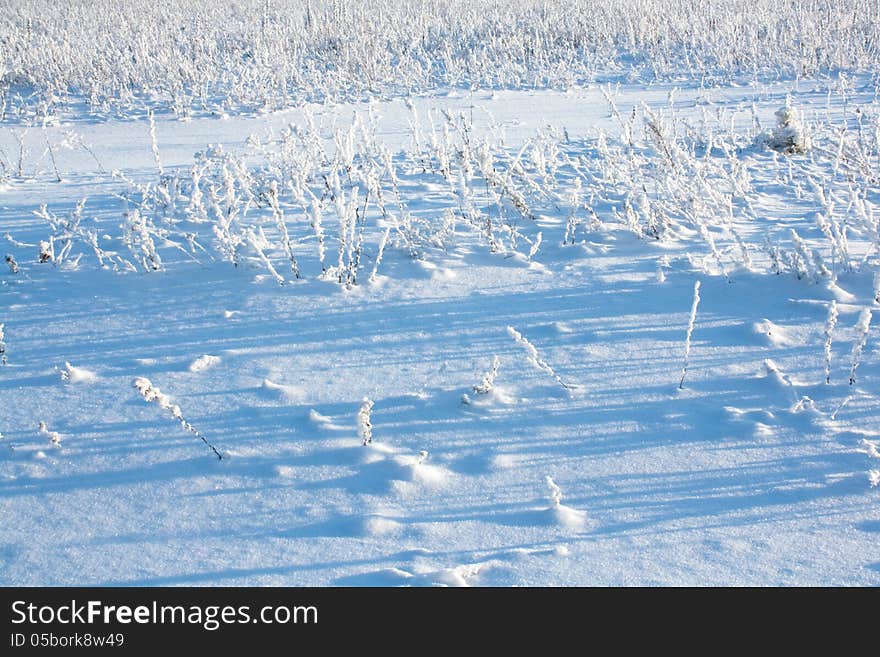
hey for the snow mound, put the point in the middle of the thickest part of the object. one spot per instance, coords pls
(73, 374)
(203, 363)
(561, 514)
(777, 336)
(284, 471)
(318, 419)
(375, 452)
(506, 461)
(464, 575)
(376, 525)
(461, 576)
(386, 468)
(416, 470)
(870, 448)
(840, 294)
(771, 372)
(497, 396)
(569, 518)
(284, 392)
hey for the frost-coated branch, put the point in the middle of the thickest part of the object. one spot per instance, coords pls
(690, 331)
(555, 492)
(258, 243)
(535, 358)
(2, 344)
(383, 242)
(154, 143)
(485, 386)
(862, 327)
(278, 214)
(535, 246)
(365, 427)
(150, 393)
(318, 227)
(829, 330)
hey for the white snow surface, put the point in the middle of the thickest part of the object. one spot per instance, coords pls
(755, 473)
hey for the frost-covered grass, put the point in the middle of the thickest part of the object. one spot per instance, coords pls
(303, 204)
(203, 56)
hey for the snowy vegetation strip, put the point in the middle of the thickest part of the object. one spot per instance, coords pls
(266, 55)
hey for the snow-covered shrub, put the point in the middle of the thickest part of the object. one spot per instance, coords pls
(138, 235)
(790, 134)
(804, 261)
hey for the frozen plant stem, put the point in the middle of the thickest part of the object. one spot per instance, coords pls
(535, 358)
(690, 332)
(862, 327)
(365, 427)
(485, 386)
(278, 214)
(829, 330)
(2, 345)
(382, 244)
(52, 158)
(555, 493)
(154, 143)
(152, 394)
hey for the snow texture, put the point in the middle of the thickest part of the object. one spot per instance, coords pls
(362, 430)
